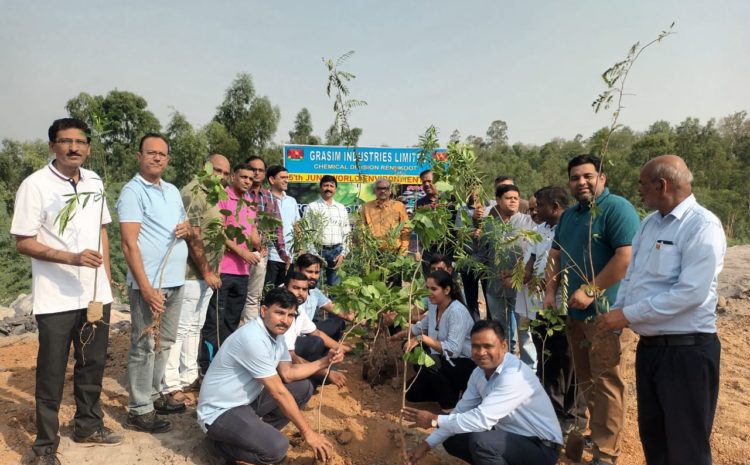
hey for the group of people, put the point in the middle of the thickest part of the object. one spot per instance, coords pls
(508, 392)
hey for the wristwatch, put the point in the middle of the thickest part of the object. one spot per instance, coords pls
(591, 291)
(419, 339)
(434, 423)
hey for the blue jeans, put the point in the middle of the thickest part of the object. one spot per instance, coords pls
(502, 310)
(146, 363)
(330, 254)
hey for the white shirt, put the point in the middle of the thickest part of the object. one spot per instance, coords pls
(335, 228)
(302, 324)
(527, 303)
(56, 287)
(289, 211)
(670, 286)
(512, 400)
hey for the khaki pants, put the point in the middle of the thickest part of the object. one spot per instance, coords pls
(597, 356)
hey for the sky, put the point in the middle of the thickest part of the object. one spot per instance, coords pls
(458, 65)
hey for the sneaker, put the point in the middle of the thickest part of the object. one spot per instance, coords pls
(166, 405)
(101, 437)
(148, 423)
(47, 459)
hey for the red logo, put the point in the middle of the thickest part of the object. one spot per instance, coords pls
(295, 154)
(440, 156)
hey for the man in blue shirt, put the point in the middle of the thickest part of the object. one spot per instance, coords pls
(669, 297)
(504, 417)
(277, 268)
(592, 246)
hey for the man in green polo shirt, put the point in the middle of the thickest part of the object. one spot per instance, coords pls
(594, 269)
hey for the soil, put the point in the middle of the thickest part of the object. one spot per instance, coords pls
(361, 421)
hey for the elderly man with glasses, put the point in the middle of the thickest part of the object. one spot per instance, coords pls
(383, 215)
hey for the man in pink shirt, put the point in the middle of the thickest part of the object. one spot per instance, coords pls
(225, 307)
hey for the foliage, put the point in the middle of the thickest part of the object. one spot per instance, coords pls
(302, 133)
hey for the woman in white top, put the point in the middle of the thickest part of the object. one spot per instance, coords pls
(445, 333)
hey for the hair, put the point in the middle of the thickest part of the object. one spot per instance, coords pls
(670, 173)
(328, 178)
(68, 123)
(253, 158)
(444, 279)
(495, 326)
(382, 181)
(282, 297)
(583, 160)
(505, 188)
(500, 179)
(241, 166)
(424, 173)
(553, 194)
(152, 135)
(274, 171)
(295, 276)
(306, 260)
(439, 257)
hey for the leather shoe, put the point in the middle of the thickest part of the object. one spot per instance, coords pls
(148, 423)
(101, 437)
(166, 405)
(47, 459)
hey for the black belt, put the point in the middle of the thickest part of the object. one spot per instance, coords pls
(329, 247)
(684, 340)
(552, 445)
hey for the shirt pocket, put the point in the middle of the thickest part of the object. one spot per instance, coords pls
(665, 260)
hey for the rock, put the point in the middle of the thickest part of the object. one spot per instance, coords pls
(22, 305)
(6, 312)
(18, 330)
(344, 437)
(721, 305)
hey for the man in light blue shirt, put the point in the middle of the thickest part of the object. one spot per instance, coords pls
(504, 417)
(277, 267)
(252, 389)
(669, 297)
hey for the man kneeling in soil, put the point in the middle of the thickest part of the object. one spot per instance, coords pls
(252, 389)
(504, 417)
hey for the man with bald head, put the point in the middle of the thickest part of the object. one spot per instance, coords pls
(383, 215)
(669, 297)
(181, 371)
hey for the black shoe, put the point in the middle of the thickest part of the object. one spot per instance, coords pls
(47, 459)
(148, 423)
(166, 405)
(101, 437)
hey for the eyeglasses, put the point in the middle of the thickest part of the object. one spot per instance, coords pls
(71, 142)
(382, 188)
(154, 154)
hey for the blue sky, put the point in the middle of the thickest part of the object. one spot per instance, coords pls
(458, 65)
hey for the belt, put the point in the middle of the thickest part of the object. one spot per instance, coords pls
(552, 445)
(684, 340)
(329, 247)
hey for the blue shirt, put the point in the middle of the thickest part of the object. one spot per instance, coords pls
(159, 209)
(670, 286)
(248, 354)
(512, 400)
(289, 211)
(315, 300)
(452, 331)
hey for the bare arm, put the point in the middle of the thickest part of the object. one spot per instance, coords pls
(290, 372)
(105, 254)
(133, 257)
(31, 247)
(198, 255)
(612, 272)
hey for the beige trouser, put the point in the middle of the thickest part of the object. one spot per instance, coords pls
(597, 356)
(254, 290)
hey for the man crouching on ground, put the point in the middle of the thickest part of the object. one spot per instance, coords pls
(252, 390)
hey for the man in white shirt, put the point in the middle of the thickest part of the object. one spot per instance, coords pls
(504, 417)
(669, 296)
(69, 268)
(278, 178)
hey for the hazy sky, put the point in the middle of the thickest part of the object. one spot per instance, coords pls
(458, 65)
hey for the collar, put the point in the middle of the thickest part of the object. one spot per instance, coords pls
(600, 199)
(383, 205)
(58, 174)
(501, 367)
(332, 204)
(152, 184)
(283, 195)
(679, 211)
(259, 321)
(232, 194)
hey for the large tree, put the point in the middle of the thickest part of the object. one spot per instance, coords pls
(302, 131)
(188, 150)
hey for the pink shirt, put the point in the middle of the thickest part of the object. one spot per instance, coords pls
(231, 263)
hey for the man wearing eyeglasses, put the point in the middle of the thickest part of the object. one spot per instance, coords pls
(383, 215)
(70, 264)
(154, 229)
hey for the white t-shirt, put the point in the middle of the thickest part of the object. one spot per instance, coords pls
(56, 287)
(301, 325)
(527, 303)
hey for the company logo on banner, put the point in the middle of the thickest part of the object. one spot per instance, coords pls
(308, 163)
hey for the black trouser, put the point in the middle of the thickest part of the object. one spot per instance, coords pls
(555, 370)
(443, 384)
(497, 447)
(677, 389)
(250, 433)
(311, 348)
(56, 332)
(333, 326)
(275, 273)
(471, 291)
(223, 320)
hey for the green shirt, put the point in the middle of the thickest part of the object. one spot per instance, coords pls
(615, 224)
(201, 214)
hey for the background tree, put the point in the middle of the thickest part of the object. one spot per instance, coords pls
(302, 131)
(497, 133)
(188, 150)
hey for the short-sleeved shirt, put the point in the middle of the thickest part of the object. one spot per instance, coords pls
(315, 301)
(289, 211)
(247, 355)
(528, 301)
(231, 263)
(201, 214)
(56, 287)
(158, 208)
(300, 326)
(614, 225)
(452, 331)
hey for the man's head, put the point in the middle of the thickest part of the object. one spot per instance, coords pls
(309, 265)
(665, 181)
(153, 156)
(328, 185)
(551, 202)
(278, 178)
(532, 210)
(440, 261)
(258, 167)
(298, 285)
(382, 189)
(508, 199)
(428, 186)
(585, 178)
(70, 141)
(242, 178)
(503, 181)
(488, 345)
(221, 167)
(279, 310)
